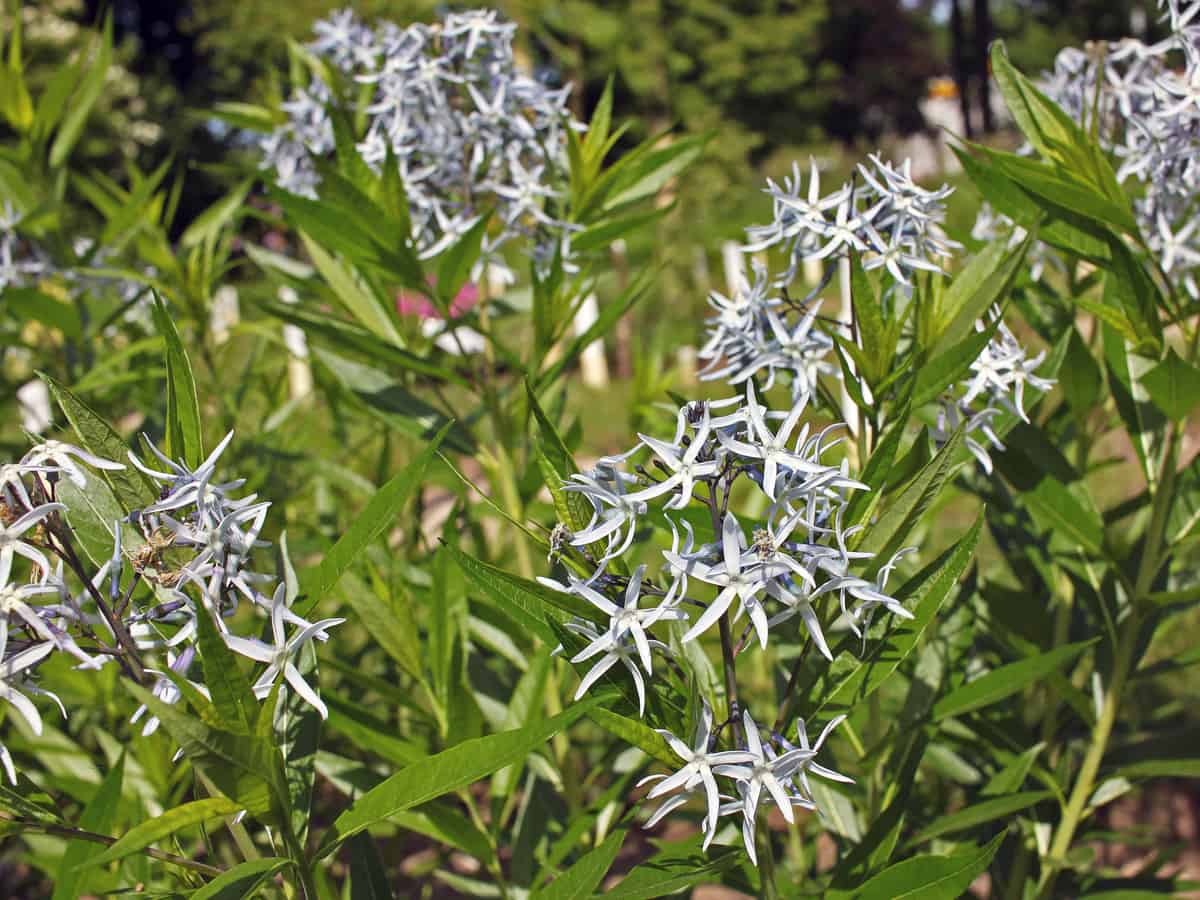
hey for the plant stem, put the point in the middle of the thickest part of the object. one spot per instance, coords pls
(29, 827)
(1086, 779)
(768, 890)
(728, 661)
(1153, 553)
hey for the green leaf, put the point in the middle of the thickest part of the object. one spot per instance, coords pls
(875, 473)
(1005, 681)
(931, 877)
(31, 305)
(227, 684)
(454, 265)
(84, 100)
(132, 489)
(978, 814)
(99, 817)
(552, 443)
(1080, 376)
(901, 515)
(440, 821)
(1009, 779)
(604, 233)
(183, 407)
(636, 733)
(849, 680)
(1129, 286)
(444, 772)
(609, 314)
(652, 171)
(581, 879)
(872, 333)
(1162, 768)
(673, 870)
(368, 878)
(54, 98)
(391, 403)
(296, 730)
(984, 282)
(241, 881)
(1055, 508)
(526, 601)
(207, 225)
(951, 365)
(390, 624)
(170, 822)
(246, 768)
(342, 334)
(1174, 386)
(377, 517)
(349, 288)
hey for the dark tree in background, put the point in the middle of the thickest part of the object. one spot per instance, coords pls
(885, 55)
(983, 38)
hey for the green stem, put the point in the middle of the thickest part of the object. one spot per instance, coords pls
(768, 890)
(1152, 556)
(728, 661)
(77, 834)
(1085, 781)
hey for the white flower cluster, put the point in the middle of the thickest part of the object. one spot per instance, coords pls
(890, 219)
(450, 105)
(884, 215)
(781, 569)
(193, 557)
(1145, 101)
(997, 383)
(21, 261)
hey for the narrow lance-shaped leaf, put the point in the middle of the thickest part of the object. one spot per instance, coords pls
(89, 92)
(581, 879)
(170, 822)
(183, 406)
(132, 489)
(527, 601)
(931, 877)
(845, 685)
(241, 881)
(979, 814)
(1005, 681)
(227, 684)
(379, 515)
(98, 817)
(444, 772)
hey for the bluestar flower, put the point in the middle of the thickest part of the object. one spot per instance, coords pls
(696, 773)
(450, 106)
(685, 465)
(763, 773)
(12, 674)
(279, 654)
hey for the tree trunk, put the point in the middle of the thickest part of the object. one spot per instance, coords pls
(959, 52)
(983, 37)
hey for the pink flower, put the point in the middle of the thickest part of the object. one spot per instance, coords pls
(410, 303)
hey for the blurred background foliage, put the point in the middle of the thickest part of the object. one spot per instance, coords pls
(779, 80)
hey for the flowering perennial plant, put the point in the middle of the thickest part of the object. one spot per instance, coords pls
(188, 554)
(1143, 102)
(792, 564)
(451, 109)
